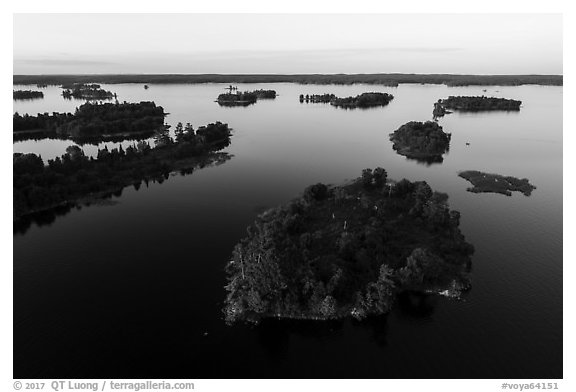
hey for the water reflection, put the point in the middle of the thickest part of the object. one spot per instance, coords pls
(234, 104)
(48, 217)
(416, 305)
(426, 161)
(80, 140)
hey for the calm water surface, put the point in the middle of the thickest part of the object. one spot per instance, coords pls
(135, 289)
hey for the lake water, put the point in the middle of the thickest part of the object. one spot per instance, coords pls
(135, 289)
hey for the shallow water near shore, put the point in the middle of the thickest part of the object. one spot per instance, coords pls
(135, 289)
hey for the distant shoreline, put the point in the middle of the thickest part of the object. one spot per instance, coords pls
(389, 80)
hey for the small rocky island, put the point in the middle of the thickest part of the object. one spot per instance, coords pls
(496, 183)
(74, 179)
(421, 141)
(244, 98)
(86, 91)
(474, 104)
(93, 122)
(347, 251)
(26, 94)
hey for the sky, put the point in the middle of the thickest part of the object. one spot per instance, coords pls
(287, 43)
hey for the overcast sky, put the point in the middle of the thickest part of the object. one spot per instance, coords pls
(255, 43)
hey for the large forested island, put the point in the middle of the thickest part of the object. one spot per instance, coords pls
(27, 94)
(244, 98)
(422, 141)
(86, 91)
(376, 79)
(347, 251)
(477, 104)
(496, 183)
(74, 177)
(94, 122)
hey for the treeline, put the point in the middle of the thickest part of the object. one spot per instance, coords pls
(364, 100)
(317, 98)
(421, 141)
(474, 104)
(347, 251)
(265, 94)
(95, 120)
(86, 91)
(67, 179)
(377, 79)
(27, 94)
(41, 122)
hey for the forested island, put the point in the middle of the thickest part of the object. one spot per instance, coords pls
(364, 100)
(422, 141)
(347, 251)
(26, 94)
(496, 183)
(86, 91)
(244, 98)
(93, 122)
(474, 104)
(377, 79)
(317, 98)
(75, 178)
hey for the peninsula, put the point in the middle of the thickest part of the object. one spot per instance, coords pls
(74, 178)
(347, 251)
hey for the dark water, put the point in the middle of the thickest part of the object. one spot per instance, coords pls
(135, 289)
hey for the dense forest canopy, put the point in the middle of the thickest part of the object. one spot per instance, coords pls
(421, 141)
(27, 94)
(94, 120)
(86, 91)
(474, 104)
(364, 100)
(347, 251)
(244, 98)
(317, 98)
(393, 79)
(73, 176)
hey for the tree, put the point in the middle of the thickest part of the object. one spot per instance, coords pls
(328, 306)
(316, 192)
(74, 152)
(380, 176)
(179, 131)
(367, 178)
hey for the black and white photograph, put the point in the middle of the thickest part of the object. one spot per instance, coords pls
(286, 196)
